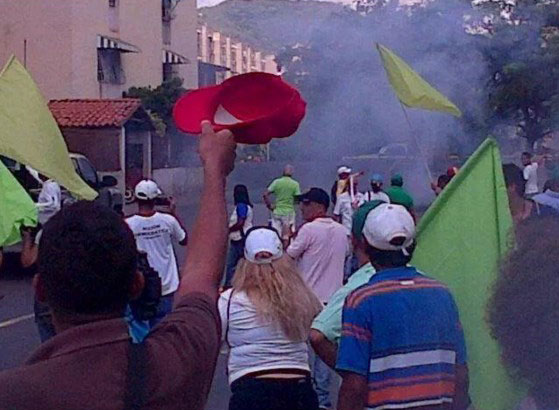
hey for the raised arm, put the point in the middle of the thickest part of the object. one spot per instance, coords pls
(205, 258)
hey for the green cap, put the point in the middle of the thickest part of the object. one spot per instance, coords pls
(360, 216)
(397, 180)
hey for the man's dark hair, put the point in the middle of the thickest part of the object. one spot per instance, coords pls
(87, 260)
(524, 309)
(390, 259)
(527, 154)
(514, 176)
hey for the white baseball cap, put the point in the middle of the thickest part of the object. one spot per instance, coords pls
(147, 190)
(259, 240)
(387, 223)
(344, 170)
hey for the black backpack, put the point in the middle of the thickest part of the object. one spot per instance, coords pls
(145, 307)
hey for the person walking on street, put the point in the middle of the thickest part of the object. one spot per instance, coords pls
(88, 275)
(398, 195)
(343, 213)
(530, 173)
(265, 321)
(49, 201)
(340, 184)
(239, 224)
(326, 329)
(320, 248)
(402, 343)
(376, 193)
(284, 189)
(154, 232)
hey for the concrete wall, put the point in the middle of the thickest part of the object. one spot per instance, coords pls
(62, 43)
(89, 18)
(183, 41)
(100, 145)
(179, 181)
(140, 24)
(45, 25)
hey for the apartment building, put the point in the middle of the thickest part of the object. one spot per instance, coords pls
(220, 57)
(100, 48)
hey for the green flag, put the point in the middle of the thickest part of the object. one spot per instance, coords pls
(412, 90)
(29, 134)
(16, 208)
(461, 239)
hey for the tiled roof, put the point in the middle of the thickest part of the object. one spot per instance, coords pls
(93, 113)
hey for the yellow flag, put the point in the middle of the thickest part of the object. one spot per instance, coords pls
(412, 90)
(29, 134)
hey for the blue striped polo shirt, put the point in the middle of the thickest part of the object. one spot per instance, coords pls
(402, 332)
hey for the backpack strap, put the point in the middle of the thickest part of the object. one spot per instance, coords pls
(136, 375)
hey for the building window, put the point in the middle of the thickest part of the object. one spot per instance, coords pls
(109, 66)
(168, 72)
(112, 3)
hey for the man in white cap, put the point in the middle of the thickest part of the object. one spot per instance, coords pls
(402, 343)
(154, 233)
(339, 185)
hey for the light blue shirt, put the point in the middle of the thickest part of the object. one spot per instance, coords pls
(329, 321)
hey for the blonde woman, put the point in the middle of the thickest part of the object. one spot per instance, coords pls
(266, 319)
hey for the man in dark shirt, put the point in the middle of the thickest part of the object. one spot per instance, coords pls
(88, 274)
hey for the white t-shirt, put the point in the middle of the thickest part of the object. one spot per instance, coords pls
(49, 201)
(245, 211)
(320, 249)
(531, 177)
(256, 343)
(377, 196)
(345, 209)
(154, 235)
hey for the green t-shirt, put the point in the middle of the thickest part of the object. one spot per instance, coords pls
(329, 321)
(399, 196)
(284, 189)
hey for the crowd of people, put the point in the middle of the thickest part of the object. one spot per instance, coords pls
(292, 307)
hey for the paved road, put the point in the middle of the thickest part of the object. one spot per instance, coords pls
(18, 335)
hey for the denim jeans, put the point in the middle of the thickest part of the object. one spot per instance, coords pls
(321, 376)
(273, 394)
(235, 253)
(165, 306)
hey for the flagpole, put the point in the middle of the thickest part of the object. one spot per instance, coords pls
(425, 163)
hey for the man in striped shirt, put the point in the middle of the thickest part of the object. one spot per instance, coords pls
(402, 344)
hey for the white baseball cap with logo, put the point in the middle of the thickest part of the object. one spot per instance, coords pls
(147, 190)
(389, 227)
(263, 246)
(344, 170)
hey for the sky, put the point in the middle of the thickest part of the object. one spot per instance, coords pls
(208, 3)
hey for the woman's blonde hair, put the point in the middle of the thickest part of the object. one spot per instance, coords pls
(278, 292)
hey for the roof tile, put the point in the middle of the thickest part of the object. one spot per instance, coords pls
(93, 113)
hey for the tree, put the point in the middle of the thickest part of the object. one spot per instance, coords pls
(159, 101)
(522, 58)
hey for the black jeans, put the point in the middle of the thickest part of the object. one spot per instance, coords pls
(273, 394)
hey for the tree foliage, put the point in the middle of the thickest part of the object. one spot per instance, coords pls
(522, 56)
(159, 101)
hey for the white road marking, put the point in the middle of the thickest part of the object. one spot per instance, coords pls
(16, 320)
